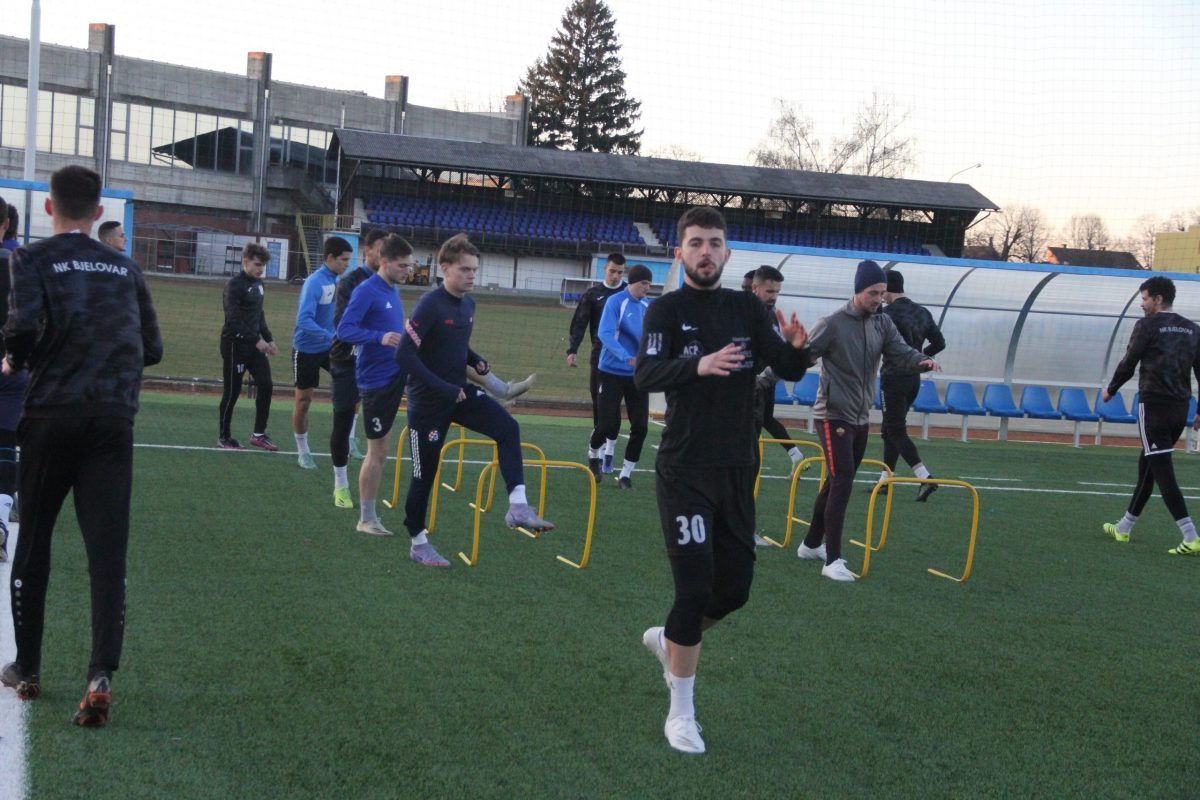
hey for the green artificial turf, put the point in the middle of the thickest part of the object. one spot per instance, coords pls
(273, 652)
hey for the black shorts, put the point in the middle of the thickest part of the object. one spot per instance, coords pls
(1160, 425)
(306, 368)
(698, 504)
(379, 407)
(345, 386)
(12, 395)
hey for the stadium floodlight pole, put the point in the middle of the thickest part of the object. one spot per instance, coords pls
(31, 92)
(961, 171)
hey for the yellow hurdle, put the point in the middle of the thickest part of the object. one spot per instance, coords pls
(489, 475)
(495, 460)
(395, 501)
(887, 515)
(761, 452)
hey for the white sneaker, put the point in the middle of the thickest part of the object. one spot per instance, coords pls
(374, 527)
(518, 388)
(761, 542)
(811, 553)
(838, 571)
(683, 734)
(653, 639)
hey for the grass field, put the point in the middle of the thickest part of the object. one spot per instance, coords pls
(518, 335)
(273, 652)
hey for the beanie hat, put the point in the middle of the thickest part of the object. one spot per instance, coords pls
(638, 273)
(895, 282)
(868, 274)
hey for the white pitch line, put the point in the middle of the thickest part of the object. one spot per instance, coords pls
(987, 478)
(13, 734)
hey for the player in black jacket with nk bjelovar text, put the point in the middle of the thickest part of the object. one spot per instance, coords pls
(586, 319)
(704, 346)
(81, 319)
(246, 342)
(898, 386)
(1167, 346)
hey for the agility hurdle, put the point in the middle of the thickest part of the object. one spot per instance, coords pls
(804, 464)
(762, 443)
(887, 516)
(395, 501)
(495, 461)
(489, 474)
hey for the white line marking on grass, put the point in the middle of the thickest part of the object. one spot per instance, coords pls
(13, 743)
(987, 478)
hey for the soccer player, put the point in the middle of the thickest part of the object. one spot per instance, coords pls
(374, 323)
(619, 333)
(342, 373)
(12, 391)
(849, 343)
(81, 315)
(587, 317)
(246, 342)
(112, 234)
(748, 281)
(435, 349)
(899, 387)
(703, 346)
(1167, 346)
(766, 283)
(313, 337)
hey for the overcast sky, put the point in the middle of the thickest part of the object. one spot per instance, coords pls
(1074, 107)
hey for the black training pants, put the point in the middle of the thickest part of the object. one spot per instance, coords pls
(614, 389)
(899, 392)
(93, 456)
(238, 358)
(844, 445)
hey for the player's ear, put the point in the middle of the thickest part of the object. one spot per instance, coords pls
(49, 206)
(99, 213)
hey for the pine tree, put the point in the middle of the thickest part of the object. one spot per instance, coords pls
(577, 91)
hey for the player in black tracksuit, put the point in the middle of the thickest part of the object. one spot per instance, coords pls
(704, 346)
(246, 342)
(898, 386)
(586, 319)
(12, 392)
(81, 318)
(1167, 346)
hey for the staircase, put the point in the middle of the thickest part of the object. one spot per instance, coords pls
(652, 241)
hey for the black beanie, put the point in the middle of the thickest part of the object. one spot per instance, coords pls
(869, 273)
(895, 282)
(637, 273)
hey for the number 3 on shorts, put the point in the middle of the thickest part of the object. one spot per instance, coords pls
(376, 424)
(691, 530)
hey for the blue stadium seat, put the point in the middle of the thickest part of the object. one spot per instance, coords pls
(998, 400)
(1112, 411)
(1074, 405)
(805, 392)
(960, 399)
(782, 396)
(927, 403)
(1035, 402)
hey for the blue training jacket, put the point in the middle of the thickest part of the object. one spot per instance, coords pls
(314, 314)
(620, 332)
(374, 309)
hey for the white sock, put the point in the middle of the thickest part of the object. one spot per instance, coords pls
(517, 496)
(421, 538)
(6, 502)
(627, 468)
(682, 704)
(1125, 525)
(1188, 528)
(610, 447)
(883, 476)
(302, 442)
(340, 479)
(595, 453)
(921, 471)
(795, 454)
(495, 386)
(367, 510)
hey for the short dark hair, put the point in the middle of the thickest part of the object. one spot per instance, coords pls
(75, 191)
(454, 248)
(701, 216)
(394, 247)
(256, 252)
(374, 235)
(1159, 286)
(14, 222)
(4, 215)
(106, 228)
(616, 258)
(767, 273)
(336, 245)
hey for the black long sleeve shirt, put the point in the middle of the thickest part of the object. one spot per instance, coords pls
(916, 326)
(341, 354)
(587, 318)
(710, 420)
(81, 318)
(1168, 347)
(244, 317)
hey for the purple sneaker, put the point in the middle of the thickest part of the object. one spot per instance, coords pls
(426, 556)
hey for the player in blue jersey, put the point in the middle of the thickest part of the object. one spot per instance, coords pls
(314, 336)
(373, 322)
(434, 352)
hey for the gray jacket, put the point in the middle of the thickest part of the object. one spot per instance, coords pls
(849, 343)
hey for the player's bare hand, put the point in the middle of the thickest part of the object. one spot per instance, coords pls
(390, 339)
(462, 395)
(1105, 396)
(482, 368)
(728, 358)
(7, 368)
(929, 365)
(571, 359)
(791, 330)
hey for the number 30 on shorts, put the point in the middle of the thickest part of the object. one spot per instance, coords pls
(691, 530)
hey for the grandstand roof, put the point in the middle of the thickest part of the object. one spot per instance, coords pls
(656, 173)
